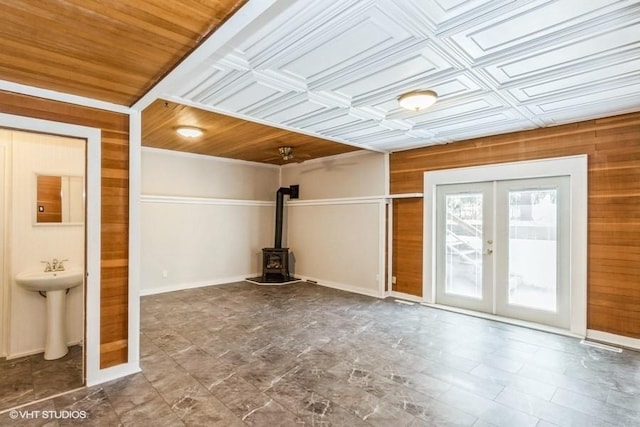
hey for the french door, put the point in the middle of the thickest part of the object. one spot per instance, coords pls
(503, 248)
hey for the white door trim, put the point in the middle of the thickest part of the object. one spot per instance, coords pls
(573, 166)
(94, 140)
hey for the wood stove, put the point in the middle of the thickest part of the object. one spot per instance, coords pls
(275, 265)
(275, 261)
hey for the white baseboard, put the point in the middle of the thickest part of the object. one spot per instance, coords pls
(403, 296)
(613, 339)
(341, 286)
(193, 285)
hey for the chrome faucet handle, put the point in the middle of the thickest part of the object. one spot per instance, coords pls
(60, 266)
(47, 267)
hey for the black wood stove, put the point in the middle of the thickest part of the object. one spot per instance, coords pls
(275, 261)
(275, 265)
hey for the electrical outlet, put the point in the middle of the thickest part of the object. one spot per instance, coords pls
(165, 274)
(393, 279)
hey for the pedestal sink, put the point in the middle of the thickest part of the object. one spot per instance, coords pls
(55, 285)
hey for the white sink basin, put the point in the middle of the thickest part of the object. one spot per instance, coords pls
(54, 285)
(51, 280)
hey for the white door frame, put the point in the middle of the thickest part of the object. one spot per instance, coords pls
(573, 166)
(93, 204)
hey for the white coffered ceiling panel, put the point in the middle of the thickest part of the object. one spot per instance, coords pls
(335, 68)
(578, 54)
(534, 25)
(611, 75)
(591, 104)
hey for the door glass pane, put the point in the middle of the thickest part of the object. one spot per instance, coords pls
(533, 248)
(463, 255)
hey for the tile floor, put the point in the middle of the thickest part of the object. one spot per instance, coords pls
(31, 378)
(304, 355)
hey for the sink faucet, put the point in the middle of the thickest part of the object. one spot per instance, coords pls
(57, 265)
(47, 267)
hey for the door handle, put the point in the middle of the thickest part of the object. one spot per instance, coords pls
(489, 251)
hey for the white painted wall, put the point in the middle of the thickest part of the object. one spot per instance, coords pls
(357, 174)
(335, 237)
(33, 154)
(204, 219)
(172, 173)
(337, 245)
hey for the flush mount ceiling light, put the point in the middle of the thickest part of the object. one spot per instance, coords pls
(418, 99)
(189, 132)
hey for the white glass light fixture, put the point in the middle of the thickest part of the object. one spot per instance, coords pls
(418, 99)
(189, 131)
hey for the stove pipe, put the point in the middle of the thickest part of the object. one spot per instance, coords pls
(292, 192)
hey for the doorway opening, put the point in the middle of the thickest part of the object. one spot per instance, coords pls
(44, 265)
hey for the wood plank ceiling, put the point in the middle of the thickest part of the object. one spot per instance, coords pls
(113, 51)
(226, 136)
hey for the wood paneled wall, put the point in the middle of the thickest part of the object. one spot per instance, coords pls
(613, 148)
(114, 211)
(407, 239)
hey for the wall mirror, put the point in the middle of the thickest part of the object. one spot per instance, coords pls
(59, 200)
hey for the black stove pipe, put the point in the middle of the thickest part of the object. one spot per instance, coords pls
(292, 192)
